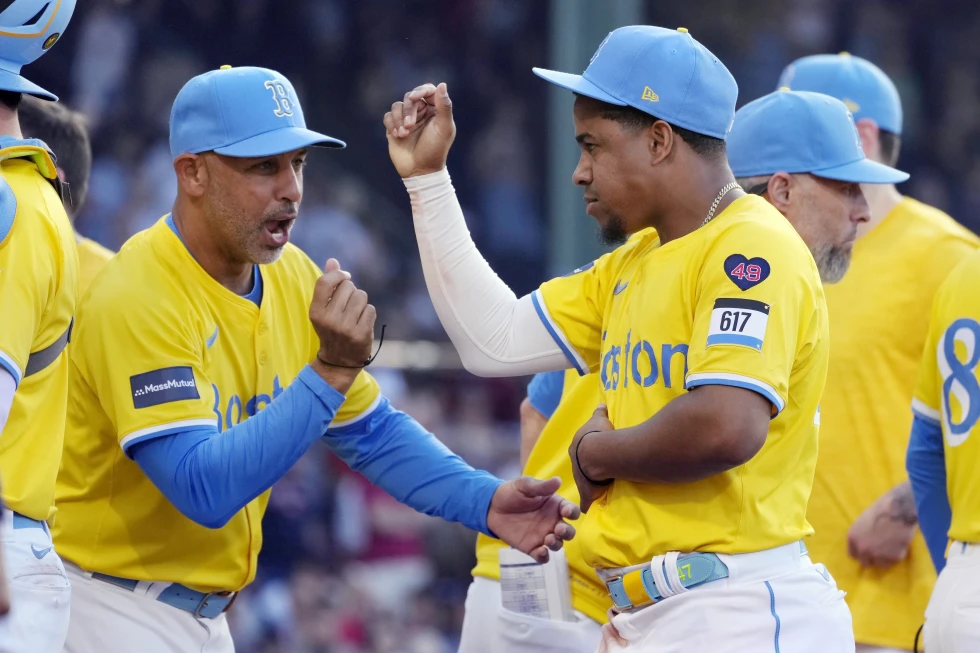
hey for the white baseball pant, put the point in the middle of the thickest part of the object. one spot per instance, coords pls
(40, 594)
(489, 628)
(775, 600)
(953, 613)
(110, 619)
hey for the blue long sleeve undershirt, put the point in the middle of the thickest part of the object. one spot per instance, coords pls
(926, 466)
(210, 476)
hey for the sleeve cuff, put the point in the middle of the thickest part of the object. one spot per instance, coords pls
(486, 498)
(738, 381)
(9, 364)
(924, 412)
(364, 414)
(323, 390)
(154, 432)
(557, 335)
(432, 181)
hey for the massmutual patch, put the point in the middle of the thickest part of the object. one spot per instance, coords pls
(163, 386)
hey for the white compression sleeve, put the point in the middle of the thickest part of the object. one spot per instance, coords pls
(7, 389)
(495, 333)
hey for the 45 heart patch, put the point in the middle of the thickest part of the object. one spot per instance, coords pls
(746, 272)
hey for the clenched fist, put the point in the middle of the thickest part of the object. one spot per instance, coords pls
(420, 130)
(344, 322)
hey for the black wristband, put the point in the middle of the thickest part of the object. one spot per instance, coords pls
(578, 464)
(356, 367)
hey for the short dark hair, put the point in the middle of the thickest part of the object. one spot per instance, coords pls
(632, 119)
(66, 133)
(889, 143)
(11, 99)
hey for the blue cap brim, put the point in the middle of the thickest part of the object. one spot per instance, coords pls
(13, 82)
(279, 141)
(576, 84)
(863, 171)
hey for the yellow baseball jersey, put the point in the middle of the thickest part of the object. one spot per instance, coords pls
(879, 317)
(162, 347)
(92, 257)
(948, 391)
(737, 302)
(38, 287)
(549, 457)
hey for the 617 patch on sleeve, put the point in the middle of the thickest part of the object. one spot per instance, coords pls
(738, 322)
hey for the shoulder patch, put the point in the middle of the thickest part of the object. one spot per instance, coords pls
(745, 272)
(8, 209)
(738, 322)
(163, 386)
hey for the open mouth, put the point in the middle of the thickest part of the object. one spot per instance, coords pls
(277, 231)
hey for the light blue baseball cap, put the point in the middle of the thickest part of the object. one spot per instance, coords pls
(862, 86)
(802, 132)
(241, 112)
(662, 72)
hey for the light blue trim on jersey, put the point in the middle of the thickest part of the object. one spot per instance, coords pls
(734, 339)
(544, 392)
(925, 463)
(772, 608)
(737, 381)
(8, 209)
(556, 333)
(931, 415)
(8, 363)
(127, 443)
(210, 476)
(255, 296)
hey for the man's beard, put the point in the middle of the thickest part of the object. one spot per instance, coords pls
(613, 233)
(832, 262)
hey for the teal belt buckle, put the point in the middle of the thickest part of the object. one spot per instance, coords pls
(694, 569)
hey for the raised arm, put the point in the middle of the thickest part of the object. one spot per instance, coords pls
(496, 333)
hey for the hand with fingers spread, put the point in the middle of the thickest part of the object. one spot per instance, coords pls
(528, 515)
(344, 322)
(589, 487)
(420, 130)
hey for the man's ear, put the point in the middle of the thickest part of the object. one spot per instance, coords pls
(779, 190)
(192, 174)
(661, 141)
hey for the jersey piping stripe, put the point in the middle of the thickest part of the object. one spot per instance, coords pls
(11, 366)
(738, 381)
(363, 414)
(556, 333)
(166, 429)
(929, 414)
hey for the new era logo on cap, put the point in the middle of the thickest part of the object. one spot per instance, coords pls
(241, 112)
(694, 90)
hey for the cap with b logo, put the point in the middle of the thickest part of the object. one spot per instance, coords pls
(862, 86)
(662, 72)
(802, 132)
(241, 112)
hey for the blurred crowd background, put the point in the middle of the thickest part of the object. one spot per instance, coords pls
(344, 568)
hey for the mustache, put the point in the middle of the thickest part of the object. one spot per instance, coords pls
(285, 210)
